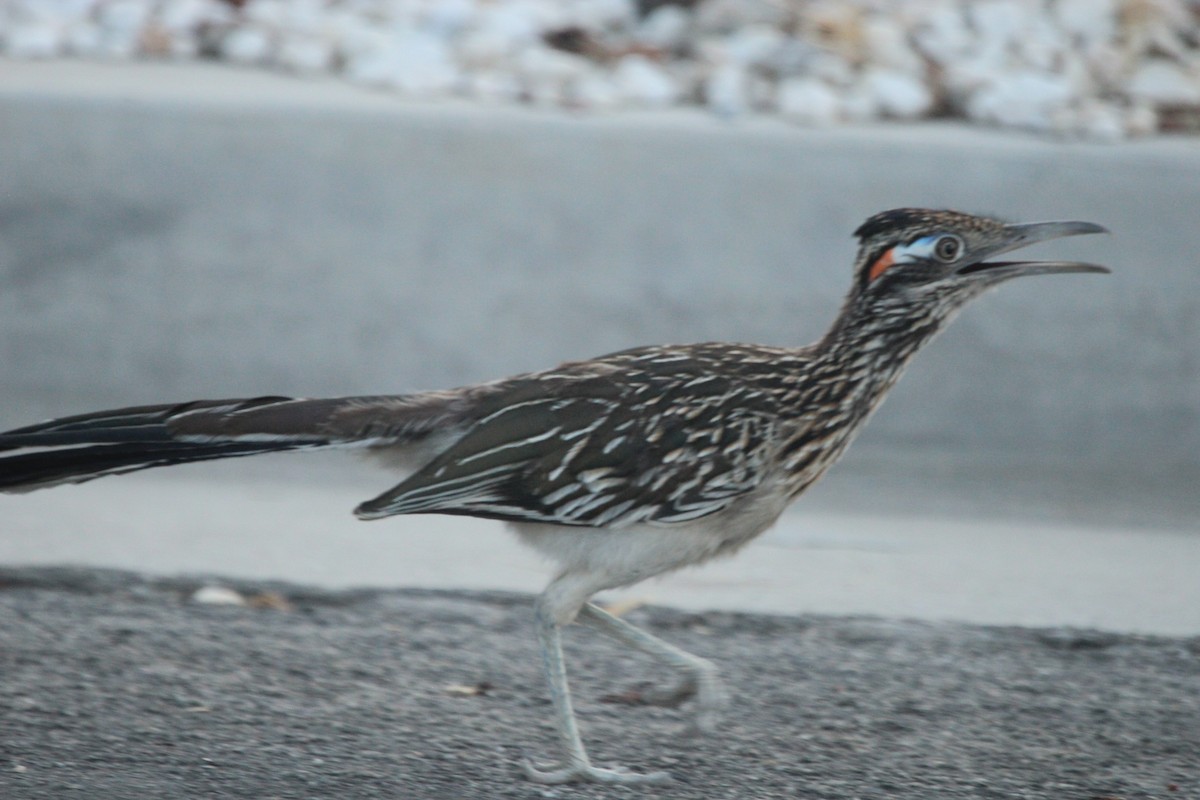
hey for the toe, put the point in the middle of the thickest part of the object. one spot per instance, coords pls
(586, 772)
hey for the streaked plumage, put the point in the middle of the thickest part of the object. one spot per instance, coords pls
(620, 467)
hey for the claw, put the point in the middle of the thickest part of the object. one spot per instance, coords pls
(673, 697)
(586, 772)
(710, 696)
(711, 700)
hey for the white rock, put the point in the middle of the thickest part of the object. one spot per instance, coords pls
(760, 91)
(218, 596)
(1088, 22)
(665, 27)
(448, 18)
(832, 68)
(1093, 119)
(546, 73)
(754, 44)
(859, 104)
(942, 33)
(303, 16)
(688, 77)
(248, 45)
(1141, 120)
(415, 63)
(183, 48)
(724, 16)
(727, 90)
(84, 39)
(998, 23)
(540, 63)
(644, 83)
(897, 94)
(356, 37)
(887, 45)
(124, 15)
(966, 76)
(710, 50)
(1161, 81)
(1075, 69)
(493, 86)
(484, 48)
(596, 15)
(1022, 99)
(1157, 27)
(32, 40)
(793, 57)
(1105, 65)
(596, 91)
(305, 54)
(512, 22)
(369, 67)
(838, 28)
(122, 23)
(52, 12)
(268, 13)
(807, 101)
(546, 94)
(184, 16)
(339, 23)
(1041, 45)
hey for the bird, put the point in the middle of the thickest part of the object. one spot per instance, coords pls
(618, 468)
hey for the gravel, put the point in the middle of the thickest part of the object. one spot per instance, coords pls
(117, 685)
(1099, 69)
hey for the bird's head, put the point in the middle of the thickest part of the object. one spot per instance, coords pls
(918, 257)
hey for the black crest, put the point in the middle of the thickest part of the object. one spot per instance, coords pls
(899, 219)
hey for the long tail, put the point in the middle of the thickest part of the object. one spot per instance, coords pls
(88, 446)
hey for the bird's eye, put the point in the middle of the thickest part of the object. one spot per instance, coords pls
(947, 248)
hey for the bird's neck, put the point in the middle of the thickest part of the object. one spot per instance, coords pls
(849, 373)
(873, 342)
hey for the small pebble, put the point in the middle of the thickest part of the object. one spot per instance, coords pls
(218, 596)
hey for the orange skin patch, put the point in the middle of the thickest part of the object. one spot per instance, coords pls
(881, 264)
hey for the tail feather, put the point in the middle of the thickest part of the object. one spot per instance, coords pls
(45, 468)
(87, 446)
(133, 424)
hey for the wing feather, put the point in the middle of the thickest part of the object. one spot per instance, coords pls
(615, 448)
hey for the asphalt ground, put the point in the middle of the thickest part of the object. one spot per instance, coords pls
(115, 685)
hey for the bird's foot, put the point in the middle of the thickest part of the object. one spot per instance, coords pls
(671, 697)
(583, 771)
(710, 696)
(711, 701)
(707, 689)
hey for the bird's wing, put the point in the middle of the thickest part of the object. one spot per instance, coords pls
(604, 450)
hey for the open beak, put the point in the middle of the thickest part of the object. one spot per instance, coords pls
(1018, 236)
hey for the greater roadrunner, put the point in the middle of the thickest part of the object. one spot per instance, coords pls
(619, 468)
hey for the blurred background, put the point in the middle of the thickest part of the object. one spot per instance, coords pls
(201, 198)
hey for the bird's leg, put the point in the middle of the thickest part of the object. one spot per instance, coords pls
(700, 676)
(575, 765)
